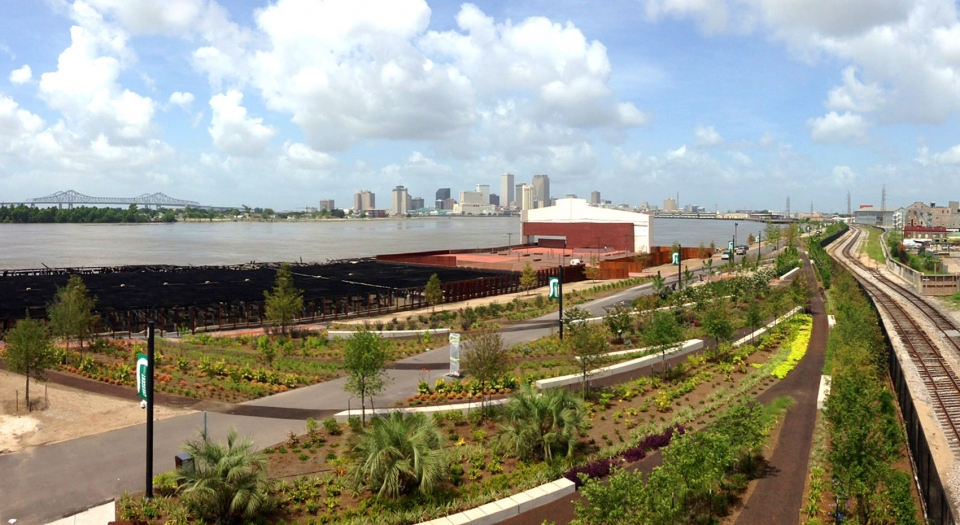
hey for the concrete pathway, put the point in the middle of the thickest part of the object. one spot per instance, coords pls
(46, 483)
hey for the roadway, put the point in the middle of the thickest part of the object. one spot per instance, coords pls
(49, 482)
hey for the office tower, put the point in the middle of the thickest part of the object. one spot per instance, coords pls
(595, 197)
(327, 204)
(541, 190)
(484, 191)
(401, 200)
(670, 204)
(363, 201)
(416, 203)
(526, 197)
(443, 194)
(494, 199)
(507, 187)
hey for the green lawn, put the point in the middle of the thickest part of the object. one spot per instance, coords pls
(873, 248)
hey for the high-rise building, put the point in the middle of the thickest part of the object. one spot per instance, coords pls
(507, 189)
(526, 197)
(541, 190)
(471, 197)
(494, 199)
(416, 203)
(401, 201)
(364, 201)
(670, 204)
(327, 204)
(518, 195)
(595, 198)
(443, 193)
(484, 191)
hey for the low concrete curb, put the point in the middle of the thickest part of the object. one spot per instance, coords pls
(466, 408)
(506, 508)
(619, 368)
(751, 336)
(98, 515)
(789, 274)
(388, 334)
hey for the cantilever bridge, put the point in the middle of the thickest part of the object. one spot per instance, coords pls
(69, 198)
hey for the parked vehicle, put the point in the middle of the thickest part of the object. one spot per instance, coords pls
(725, 256)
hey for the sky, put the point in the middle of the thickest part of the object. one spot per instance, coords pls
(732, 104)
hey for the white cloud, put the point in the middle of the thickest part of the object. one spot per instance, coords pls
(7, 51)
(843, 176)
(833, 18)
(182, 99)
(233, 131)
(21, 75)
(712, 16)
(148, 17)
(950, 157)
(707, 136)
(834, 127)
(853, 95)
(302, 156)
(85, 87)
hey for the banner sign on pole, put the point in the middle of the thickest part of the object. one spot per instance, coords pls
(142, 363)
(554, 287)
(454, 354)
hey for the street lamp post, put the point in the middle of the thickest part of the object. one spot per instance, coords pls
(734, 256)
(509, 244)
(679, 265)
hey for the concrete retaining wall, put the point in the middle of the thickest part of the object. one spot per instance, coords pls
(619, 368)
(762, 331)
(388, 334)
(506, 508)
(466, 408)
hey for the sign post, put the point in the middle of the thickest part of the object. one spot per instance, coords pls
(454, 354)
(556, 292)
(148, 387)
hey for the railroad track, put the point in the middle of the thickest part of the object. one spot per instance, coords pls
(937, 376)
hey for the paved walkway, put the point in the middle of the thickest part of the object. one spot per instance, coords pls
(43, 484)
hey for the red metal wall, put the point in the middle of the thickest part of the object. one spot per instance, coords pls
(617, 236)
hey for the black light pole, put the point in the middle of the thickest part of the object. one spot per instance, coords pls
(759, 246)
(734, 256)
(560, 295)
(150, 328)
(679, 265)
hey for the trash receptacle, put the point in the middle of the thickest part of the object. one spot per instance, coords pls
(183, 461)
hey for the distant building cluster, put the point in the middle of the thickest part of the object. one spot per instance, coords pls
(917, 215)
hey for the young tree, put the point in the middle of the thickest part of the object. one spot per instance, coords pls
(659, 286)
(663, 332)
(791, 233)
(433, 292)
(754, 318)
(71, 312)
(574, 317)
(708, 266)
(365, 357)
(717, 325)
(286, 301)
(29, 351)
(587, 346)
(592, 271)
(528, 279)
(618, 321)
(772, 234)
(485, 357)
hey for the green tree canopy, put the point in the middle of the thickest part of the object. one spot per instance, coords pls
(663, 332)
(485, 356)
(587, 347)
(29, 351)
(71, 312)
(433, 292)
(365, 357)
(772, 234)
(285, 302)
(528, 279)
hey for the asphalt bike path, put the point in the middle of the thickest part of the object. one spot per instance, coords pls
(46, 483)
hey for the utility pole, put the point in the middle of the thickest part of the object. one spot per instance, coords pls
(679, 266)
(150, 358)
(560, 297)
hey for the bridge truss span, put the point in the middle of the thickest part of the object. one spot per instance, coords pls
(71, 197)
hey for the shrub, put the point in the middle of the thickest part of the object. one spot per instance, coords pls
(332, 427)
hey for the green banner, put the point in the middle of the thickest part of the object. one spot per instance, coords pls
(142, 369)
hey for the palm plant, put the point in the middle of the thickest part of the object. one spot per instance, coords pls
(539, 425)
(228, 481)
(399, 454)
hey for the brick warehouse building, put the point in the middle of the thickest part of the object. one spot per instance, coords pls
(585, 226)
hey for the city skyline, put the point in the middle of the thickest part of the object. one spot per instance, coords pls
(251, 101)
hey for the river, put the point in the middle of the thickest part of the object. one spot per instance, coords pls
(214, 243)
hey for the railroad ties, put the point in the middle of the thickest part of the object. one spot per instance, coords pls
(939, 380)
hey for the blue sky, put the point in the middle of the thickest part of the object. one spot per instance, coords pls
(731, 103)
